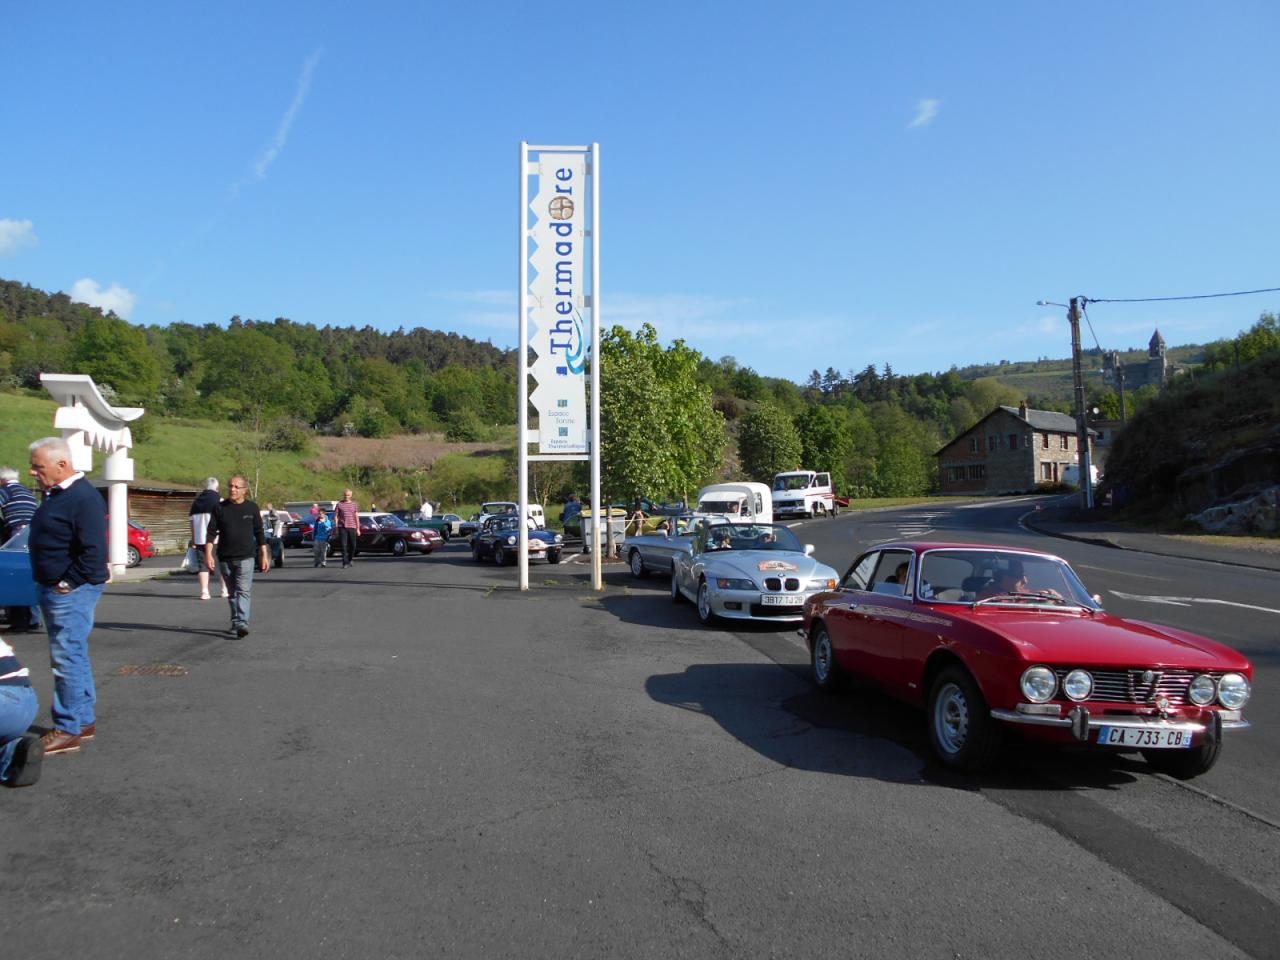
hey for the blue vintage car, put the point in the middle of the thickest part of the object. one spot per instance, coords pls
(17, 588)
(499, 539)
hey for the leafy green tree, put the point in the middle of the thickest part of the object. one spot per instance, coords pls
(660, 433)
(115, 352)
(767, 443)
(825, 441)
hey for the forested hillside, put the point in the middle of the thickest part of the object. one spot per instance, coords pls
(674, 419)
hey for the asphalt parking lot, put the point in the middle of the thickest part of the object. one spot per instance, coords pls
(412, 758)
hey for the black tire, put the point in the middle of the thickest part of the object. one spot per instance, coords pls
(398, 547)
(133, 555)
(475, 552)
(636, 562)
(826, 673)
(445, 534)
(676, 595)
(705, 614)
(1185, 764)
(835, 509)
(500, 555)
(553, 556)
(961, 730)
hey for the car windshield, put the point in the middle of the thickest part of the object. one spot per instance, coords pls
(1000, 577)
(497, 508)
(752, 536)
(506, 523)
(795, 481)
(386, 520)
(18, 542)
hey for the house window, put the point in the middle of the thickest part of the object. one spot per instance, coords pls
(1013, 441)
(991, 441)
(975, 444)
(1044, 440)
(1046, 471)
(977, 471)
(1063, 440)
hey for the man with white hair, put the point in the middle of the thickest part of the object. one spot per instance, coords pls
(17, 507)
(202, 511)
(68, 547)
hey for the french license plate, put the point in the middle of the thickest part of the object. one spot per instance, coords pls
(1153, 739)
(781, 600)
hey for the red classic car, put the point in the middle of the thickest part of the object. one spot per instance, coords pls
(990, 639)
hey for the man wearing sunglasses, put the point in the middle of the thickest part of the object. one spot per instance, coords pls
(236, 525)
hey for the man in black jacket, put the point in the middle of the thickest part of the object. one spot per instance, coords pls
(237, 526)
(68, 547)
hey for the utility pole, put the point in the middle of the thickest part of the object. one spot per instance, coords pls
(1118, 366)
(1082, 424)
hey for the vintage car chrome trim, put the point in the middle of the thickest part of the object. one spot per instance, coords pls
(1110, 720)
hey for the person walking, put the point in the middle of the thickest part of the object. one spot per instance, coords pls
(346, 520)
(321, 530)
(21, 752)
(236, 526)
(202, 509)
(17, 507)
(274, 527)
(68, 547)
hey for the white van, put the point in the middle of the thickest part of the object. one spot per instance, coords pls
(537, 519)
(741, 500)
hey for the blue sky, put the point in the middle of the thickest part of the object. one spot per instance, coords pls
(798, 186)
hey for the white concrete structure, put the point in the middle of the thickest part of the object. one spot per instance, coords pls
(87, 422)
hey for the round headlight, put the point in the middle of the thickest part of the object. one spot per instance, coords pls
(559, 537)
(1202, 690)
(1038, 684)
(511, 539)
(1233, 691)
(1077, 685)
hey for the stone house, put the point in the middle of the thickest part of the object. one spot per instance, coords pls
(1009, 450)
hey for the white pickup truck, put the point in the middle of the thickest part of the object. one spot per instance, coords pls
(803, 493)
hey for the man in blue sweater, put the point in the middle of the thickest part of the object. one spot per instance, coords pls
(68, 546)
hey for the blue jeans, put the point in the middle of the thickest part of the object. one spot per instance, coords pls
(239, 577)
(18, 706)
(68, 618)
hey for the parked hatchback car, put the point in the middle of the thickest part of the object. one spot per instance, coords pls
(993, 641)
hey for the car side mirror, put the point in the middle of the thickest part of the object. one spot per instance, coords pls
(808, 549)
(1097, 598)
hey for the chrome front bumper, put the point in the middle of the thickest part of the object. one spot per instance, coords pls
(1078, 721)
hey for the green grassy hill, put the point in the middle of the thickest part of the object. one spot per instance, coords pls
(393, 473)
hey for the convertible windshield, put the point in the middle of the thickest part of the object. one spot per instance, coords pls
(1000, 577)
(752, 536)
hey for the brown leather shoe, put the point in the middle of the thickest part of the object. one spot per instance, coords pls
(88, 730)
(59, 741)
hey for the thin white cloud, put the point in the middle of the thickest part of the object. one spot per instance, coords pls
(16, 234)
(926, 113)
(274, 149)
(114, 298)
(678, 316)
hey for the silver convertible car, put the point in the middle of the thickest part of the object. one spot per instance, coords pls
(748, 571)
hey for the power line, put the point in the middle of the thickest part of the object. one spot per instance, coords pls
(1200, 296)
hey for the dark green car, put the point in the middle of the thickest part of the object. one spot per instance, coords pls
(448, 525)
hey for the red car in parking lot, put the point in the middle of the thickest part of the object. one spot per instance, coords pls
(993, 640)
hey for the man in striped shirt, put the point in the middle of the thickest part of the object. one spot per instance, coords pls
(20, 752)
(346, 521)
(17, 506)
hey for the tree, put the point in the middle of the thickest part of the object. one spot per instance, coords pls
(767, 443)
(824, 441)
(117, 353)
(661, 435)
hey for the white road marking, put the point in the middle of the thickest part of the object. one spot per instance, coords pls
(1127, 573)
(1188, 601)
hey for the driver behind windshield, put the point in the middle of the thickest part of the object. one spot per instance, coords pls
(1011, 579)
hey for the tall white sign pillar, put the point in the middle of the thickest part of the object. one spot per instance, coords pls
(87, 422)
(559, 320)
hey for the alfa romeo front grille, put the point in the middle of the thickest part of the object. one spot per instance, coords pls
(1139, 685)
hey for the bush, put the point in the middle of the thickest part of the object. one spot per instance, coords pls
(289, 433)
